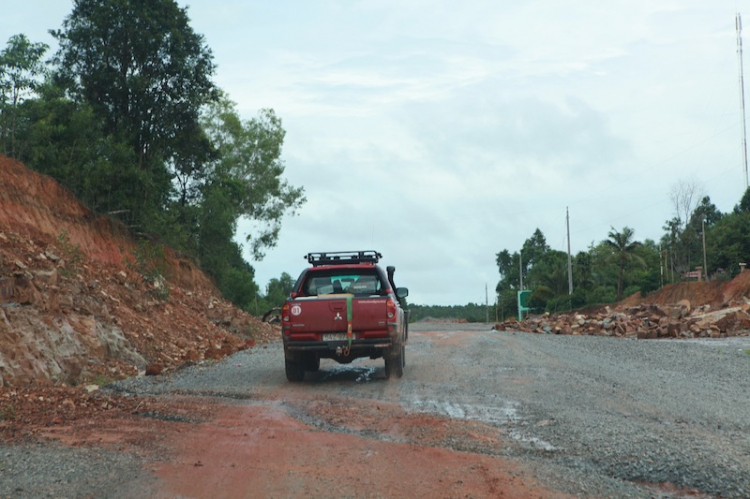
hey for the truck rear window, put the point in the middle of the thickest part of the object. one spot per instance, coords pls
(365, 283)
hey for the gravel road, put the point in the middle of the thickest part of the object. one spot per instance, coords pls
(592, 416)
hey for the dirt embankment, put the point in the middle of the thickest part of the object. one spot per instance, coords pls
(714, 294)
(75, 306)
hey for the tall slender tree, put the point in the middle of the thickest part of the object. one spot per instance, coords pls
(624, 246)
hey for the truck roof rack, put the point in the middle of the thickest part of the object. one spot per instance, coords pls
(343, 257)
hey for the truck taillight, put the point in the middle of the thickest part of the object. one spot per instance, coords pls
(390, 308)
(285, 313)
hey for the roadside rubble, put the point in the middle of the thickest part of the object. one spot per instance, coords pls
(644, 321)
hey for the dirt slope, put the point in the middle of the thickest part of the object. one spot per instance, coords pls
(716, 294)
(74, 305)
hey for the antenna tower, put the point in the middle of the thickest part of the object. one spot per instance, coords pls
(738, 25)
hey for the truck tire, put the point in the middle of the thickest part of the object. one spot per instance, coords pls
(295, 371)
(394, 363)
(312, 363)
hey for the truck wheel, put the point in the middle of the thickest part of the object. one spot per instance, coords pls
(394, 363)
(312, 363)
(295, 371)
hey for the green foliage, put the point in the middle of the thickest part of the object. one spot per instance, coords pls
(249, 170)
(623, 247)
(142, 68)
(596, 273)
(72, 254)
(683, 239)
(471, 312)
(238, 286)
(64, 139)
(620, 266)
(507, 304)
(728, 243)
(126, 117)
(744, 205)
(279, 289)
(549, 272)
(509, 268)
(540, 296)
(21, 72)
(601, 295)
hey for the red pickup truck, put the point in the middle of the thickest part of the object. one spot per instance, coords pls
(344, 307)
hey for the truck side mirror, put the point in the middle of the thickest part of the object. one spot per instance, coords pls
(402, 292)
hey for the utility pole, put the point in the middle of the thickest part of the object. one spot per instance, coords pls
(703, 233)
(661, 268)
(520, 271)
(486, 304)
(738, 25)
(570, 262)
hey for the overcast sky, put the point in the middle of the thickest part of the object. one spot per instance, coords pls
(441, 135)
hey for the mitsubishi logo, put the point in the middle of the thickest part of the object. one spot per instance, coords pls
(338, 317)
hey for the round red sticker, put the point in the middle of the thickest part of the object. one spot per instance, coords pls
(296, 310)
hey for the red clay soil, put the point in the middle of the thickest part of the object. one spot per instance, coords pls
(206, 448)
(36, 207)
(75, 306)
(717, 294)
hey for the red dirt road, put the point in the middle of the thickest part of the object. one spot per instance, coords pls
(261, 452)
(258, 449)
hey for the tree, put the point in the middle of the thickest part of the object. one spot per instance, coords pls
(21, 72)
(684, 196)
(64, 139)
(249, 166)
(551, 271)
(744, 205)
(146, 74)
(728, 239)
(278, 289)
(706, 212)
(507, 265)
(624, 248)
(533, 249)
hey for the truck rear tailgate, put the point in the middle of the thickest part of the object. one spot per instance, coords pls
(329, 313)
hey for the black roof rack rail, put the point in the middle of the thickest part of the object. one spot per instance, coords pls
(343, 257)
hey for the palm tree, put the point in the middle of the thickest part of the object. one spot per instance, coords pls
(624, 246)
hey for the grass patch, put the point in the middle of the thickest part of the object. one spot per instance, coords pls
(101, 380)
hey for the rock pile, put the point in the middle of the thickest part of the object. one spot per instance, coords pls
(645, 321)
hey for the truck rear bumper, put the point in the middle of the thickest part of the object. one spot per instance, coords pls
(325, 346)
